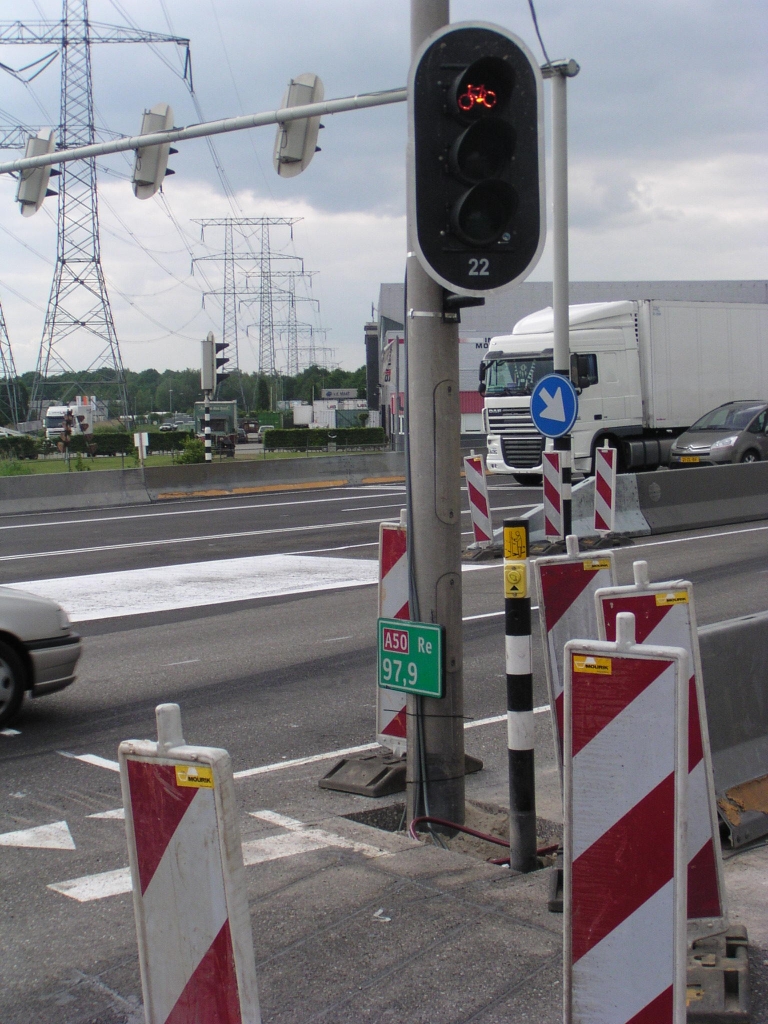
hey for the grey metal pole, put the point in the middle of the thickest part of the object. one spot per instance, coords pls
(559, 72)
(435, 762)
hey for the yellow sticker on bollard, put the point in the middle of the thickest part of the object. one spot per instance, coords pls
(587, 663)
(197, 776)
(514, 542)
(671, 597)
(515, 579)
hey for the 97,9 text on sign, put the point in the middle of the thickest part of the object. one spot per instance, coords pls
(410, 657)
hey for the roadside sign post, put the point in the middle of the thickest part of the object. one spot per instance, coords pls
(554, 409)
(435, 755)
(142, 443)
(560, 71)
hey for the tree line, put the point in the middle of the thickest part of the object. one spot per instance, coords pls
(155, 391)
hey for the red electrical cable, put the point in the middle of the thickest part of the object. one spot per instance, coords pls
(541, 851)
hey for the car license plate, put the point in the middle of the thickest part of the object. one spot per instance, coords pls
(689, 458)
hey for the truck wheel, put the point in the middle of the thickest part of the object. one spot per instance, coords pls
(750, 456)
(11, 683)
(528, 479)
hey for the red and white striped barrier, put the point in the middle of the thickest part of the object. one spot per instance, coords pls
(189, 895)
(624, 889)
(665, 616)
(566, 587)
(552, 489)
(605, 489)
(393, 604)
(479, 505)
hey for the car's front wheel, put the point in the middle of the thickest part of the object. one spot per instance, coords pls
(750, 456)
(11, 683)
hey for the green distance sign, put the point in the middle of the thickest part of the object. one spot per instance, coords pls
(411, 657)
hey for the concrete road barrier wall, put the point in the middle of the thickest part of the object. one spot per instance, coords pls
(255, 477)
(686, 499)
(105, 488)
(53, 491)
(734, 659)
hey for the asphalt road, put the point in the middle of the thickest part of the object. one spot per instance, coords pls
(275, 678)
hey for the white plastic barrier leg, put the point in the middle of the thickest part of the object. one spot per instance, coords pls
(665, 615)
(189, 894)
(625, 877)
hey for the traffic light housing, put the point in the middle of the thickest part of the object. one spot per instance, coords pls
(296, 141)
(214, 357)
(476, 189)
(150, 166)
(33, 183)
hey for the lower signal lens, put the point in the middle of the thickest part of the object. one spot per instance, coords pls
(483, 213)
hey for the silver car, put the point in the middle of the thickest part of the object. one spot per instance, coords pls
(38, 650)
(734, 432)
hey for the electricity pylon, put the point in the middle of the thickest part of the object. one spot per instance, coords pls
(78, 305)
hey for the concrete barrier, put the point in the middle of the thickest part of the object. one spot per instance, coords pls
(734, 659)
(687, 499)
(105, 488)
(55, 491)
(259, 477)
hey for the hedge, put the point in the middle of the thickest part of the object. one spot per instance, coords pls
(24, 447)
(120, 443)
(345, 437)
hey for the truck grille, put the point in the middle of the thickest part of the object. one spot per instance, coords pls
(521, 443)
(510, 421)
(522, 452)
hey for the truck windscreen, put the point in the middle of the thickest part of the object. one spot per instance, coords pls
(516, 376)
(53, 422)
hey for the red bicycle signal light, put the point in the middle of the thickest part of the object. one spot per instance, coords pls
(476, 198)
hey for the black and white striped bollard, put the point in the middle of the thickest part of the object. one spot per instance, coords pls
(517, 629)
(207, 427)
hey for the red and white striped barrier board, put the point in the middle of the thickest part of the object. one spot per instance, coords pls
(605, 489)
(566, 586)
(552, 489)
(479, 505)
(624, 886)
(393, 604)
(189, 894)
(665, 616)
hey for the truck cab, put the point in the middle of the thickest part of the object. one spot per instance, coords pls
(604, 368)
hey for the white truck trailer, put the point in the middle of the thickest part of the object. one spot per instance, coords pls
(83, 411)
(646, 369)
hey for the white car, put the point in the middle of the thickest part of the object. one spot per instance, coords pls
(38, 649)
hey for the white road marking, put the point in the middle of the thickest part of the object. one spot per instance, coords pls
(332, 639)
(173, 664)
(117, 815)
(199, 584)
(265, 769)
(301, 838)
(55, 836)
(95, 887)
(189, 512)
(328, 838)
(278, 766)
(186, 540)
(94, 759)
(642, 542)
(9, 732)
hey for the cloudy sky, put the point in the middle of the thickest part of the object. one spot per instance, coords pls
(668, 165)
